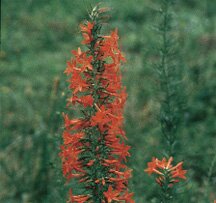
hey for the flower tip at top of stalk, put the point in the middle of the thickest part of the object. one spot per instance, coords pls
(99, 13)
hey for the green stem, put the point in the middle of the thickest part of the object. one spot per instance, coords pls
(167, 123)
(166, 190)
(97, 171)
(167, 110)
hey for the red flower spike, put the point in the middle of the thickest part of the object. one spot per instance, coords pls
(96, 89)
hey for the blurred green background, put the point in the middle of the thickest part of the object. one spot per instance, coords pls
(36, 39)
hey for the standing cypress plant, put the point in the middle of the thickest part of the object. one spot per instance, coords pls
(171, 108)
(94, 151)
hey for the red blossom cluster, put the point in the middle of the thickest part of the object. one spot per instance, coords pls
(94, 151)
(166, 170)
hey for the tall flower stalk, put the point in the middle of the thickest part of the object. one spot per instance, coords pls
(94, 151)
(170, 110)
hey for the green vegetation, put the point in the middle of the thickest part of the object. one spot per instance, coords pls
(36, 39)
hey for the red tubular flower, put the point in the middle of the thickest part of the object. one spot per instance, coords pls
(165, 170)
(111, 194)
(94, 151)
(77, 198)
(87, 32)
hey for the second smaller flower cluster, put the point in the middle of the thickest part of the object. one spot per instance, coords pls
(167, 173)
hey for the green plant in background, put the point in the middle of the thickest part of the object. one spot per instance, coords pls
(169, 77)
(171, 104)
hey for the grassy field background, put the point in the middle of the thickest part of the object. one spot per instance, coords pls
(36, 39)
